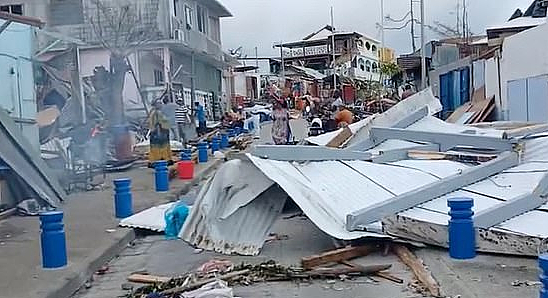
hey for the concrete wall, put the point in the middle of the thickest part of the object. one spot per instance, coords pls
(17, 91)
(524, 55)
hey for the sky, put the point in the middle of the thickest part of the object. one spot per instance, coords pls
(262, 23)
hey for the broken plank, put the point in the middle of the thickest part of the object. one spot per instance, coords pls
(337, 255)
(147, 279)
(389, 277)
(419, 270)
(340, 139)
(355, 269)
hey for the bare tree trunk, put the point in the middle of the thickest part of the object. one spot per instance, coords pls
(118, 70)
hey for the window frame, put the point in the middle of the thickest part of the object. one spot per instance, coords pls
(188, 17)
(202, 19)
(10, 8)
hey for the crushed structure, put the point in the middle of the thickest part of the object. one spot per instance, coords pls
(392, 178)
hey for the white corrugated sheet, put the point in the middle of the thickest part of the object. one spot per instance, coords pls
(330, 190)
(150, 219)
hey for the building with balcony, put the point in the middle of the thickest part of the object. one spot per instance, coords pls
(356, 55)
(183, 51)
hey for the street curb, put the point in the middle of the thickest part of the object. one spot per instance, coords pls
(79, 275)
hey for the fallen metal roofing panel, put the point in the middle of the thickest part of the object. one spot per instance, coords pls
(17, 152)
(149, 219)
(234, 210)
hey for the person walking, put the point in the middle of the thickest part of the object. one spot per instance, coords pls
(182, 120)
(168, 109)
(281, 132)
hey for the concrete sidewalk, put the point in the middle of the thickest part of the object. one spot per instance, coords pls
(93, 236)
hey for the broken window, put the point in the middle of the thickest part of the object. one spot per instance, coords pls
(188, 17)
(368, 66)
(361, 64)
(13, 8)
(158, 77)
(375, 67)
(202, 19)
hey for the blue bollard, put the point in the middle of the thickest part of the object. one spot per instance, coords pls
(186, 155)
(231, 133)
(543, 264)
(161, 176)
(123, 201)
(202, 152)
(237, 130)
(52, 239)
(224, 141)
(462, 235)
(215, 145)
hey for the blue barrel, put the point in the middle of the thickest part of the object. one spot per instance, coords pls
(186, 155)
(215, 145)
(231, 133)
(202, 152)
(462, 235)
(543, 264)
(224, 141)
(52, 240)
(161, 176)
(123, 201)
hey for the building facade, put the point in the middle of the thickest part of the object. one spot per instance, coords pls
(355, 55)
(183, 52)
(17, 93)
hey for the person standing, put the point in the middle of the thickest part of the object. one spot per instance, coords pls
(159, 135)
(281, 132)
(200, 116)
(182, 119)
(344, 117)
(168, 109)
(407, 92)
(338, 99)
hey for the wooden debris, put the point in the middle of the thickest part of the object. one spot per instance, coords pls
(147, 279)
(337, 255)
(195, 285)
(419, 270)
(378, 273)
(340, 139)
(356, 269)
(389, 277)
(456, 156)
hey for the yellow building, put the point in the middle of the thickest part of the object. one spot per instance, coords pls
(387, 55)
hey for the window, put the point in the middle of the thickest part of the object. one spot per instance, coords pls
(367, 45)
(13, 8)
(158, 77)
(188, 17)
(374, 49)
(375, 67)
(66, 12)
(368, 66)
(361, 64)
(175, 7)
(202, 19)
(359, 42)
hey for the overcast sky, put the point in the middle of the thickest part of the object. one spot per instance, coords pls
(261, 23)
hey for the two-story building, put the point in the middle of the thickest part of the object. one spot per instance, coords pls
(184, 52)
(355, 55)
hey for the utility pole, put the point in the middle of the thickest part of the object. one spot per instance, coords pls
(423, 48)
(333, 49)
(257, 59)
(464, 25)
(413, 27)
(382, 31)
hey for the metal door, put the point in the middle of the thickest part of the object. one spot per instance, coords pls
(446, 91)
(537, 99)
(517, 100)
(464, 86)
